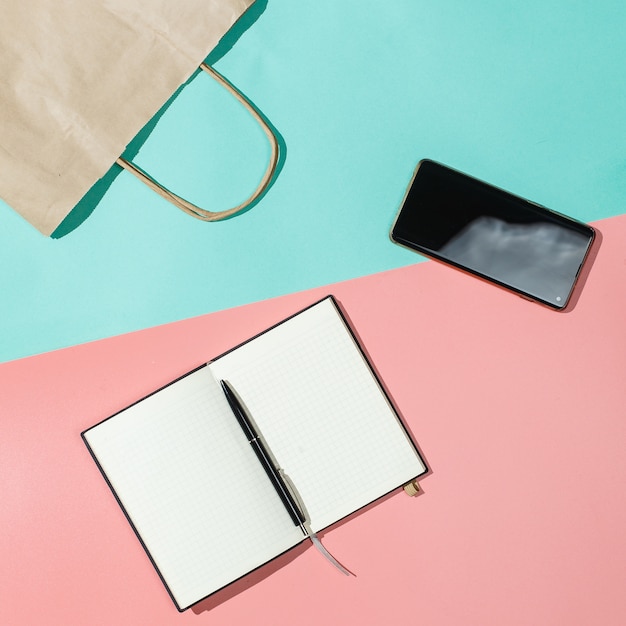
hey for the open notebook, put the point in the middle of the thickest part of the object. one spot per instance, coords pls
(190, 483)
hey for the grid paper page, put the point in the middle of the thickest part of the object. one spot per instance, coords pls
(322, 413)
(190, 482)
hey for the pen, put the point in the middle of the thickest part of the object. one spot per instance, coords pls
(264, 457)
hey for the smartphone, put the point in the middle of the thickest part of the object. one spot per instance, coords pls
(490, 233)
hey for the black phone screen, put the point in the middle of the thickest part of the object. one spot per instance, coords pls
(489, 232)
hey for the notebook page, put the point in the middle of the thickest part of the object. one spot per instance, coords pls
(189, 481)
(322, 413)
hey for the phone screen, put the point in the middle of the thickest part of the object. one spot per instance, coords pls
(489, 232)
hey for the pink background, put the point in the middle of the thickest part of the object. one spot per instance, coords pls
(519, 411)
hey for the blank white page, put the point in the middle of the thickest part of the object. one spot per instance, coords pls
(322, 413)
(192, 486)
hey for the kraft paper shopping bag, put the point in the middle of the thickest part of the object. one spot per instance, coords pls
(80, 78)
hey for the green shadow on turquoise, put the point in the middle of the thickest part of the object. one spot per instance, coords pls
(92, 198)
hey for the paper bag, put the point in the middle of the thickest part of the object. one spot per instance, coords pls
(80, 78)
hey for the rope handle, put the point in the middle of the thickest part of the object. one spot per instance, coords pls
(192, 209)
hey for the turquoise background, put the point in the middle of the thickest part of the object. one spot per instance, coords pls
(528, 96)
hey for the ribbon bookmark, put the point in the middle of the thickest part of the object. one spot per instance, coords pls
(318, 544)
(306, 527)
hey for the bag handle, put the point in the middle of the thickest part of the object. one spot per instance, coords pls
(192, 209)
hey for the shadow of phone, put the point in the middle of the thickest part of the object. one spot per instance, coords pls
(584, 271)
